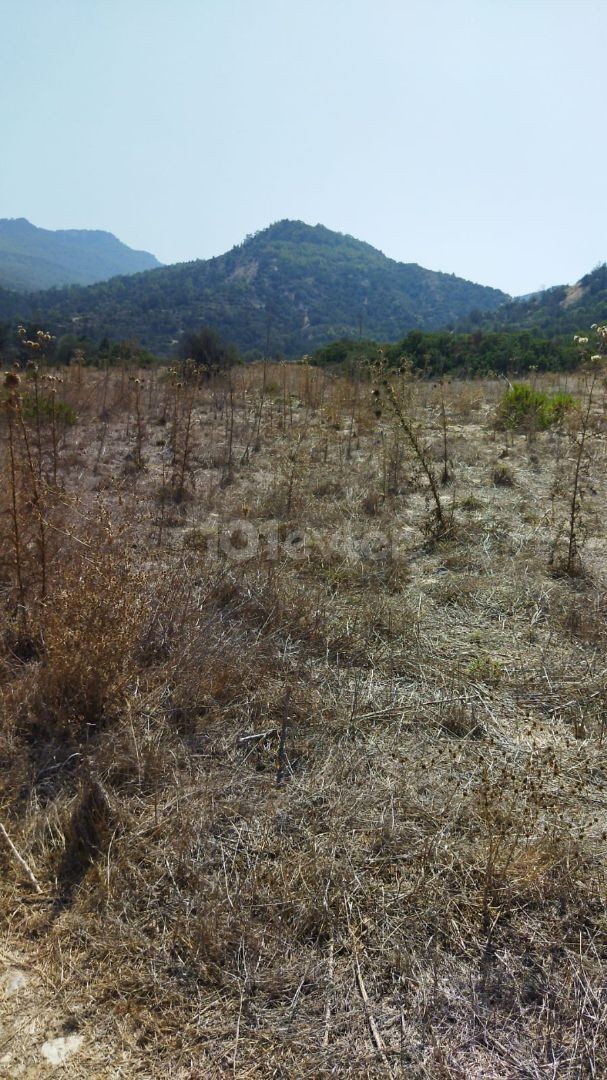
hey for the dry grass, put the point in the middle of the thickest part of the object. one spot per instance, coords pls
(307, 790)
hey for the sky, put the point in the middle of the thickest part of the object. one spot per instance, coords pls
(464, 135)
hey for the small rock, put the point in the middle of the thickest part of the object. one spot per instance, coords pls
(57, 1050)
(13, 981)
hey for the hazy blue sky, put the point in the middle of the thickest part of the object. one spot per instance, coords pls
(465, 135)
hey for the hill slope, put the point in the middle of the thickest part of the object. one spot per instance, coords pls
(304, 285)
(562, 310)
(33, 258)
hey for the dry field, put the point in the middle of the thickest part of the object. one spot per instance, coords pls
(294, 783)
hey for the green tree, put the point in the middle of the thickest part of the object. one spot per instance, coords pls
(207, 350)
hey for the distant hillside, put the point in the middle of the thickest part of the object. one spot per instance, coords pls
(301, 285)
(33, 258)
(560, 311)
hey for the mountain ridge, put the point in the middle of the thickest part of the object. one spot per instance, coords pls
(558, 311)
(34, 258)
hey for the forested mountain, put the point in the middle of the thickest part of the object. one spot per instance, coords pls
(295, 285)
(560, 311)
(33, 258)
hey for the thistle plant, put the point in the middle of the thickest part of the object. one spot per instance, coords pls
(139, 423)
(32, 475)
(227, 476)
(445, 475)
(571, 564)
(54, 429)
(253, 440)
(180, 441)
(35, 349)
(12, 407)
(395, 394)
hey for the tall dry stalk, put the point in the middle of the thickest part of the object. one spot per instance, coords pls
(387, 391)
(12, 407)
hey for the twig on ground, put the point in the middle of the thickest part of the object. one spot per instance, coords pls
(28, 872)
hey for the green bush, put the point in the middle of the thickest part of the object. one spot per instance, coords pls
(558, 405)
(522, 406)
(65, 415)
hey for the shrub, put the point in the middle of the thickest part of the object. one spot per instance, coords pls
(522, 406)
(502, 477)
(558, 405)
(43, 409)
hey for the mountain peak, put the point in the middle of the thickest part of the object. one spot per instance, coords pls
(293, 231)
(16, 225)
(291, 286)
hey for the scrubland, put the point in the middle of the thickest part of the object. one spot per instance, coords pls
(297, 777)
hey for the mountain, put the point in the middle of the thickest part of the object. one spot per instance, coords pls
(33, 258)
(560, 311)
(300, 285)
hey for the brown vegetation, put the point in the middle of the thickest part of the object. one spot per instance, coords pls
(302, 728)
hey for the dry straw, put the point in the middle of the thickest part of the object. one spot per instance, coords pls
(340, 814)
